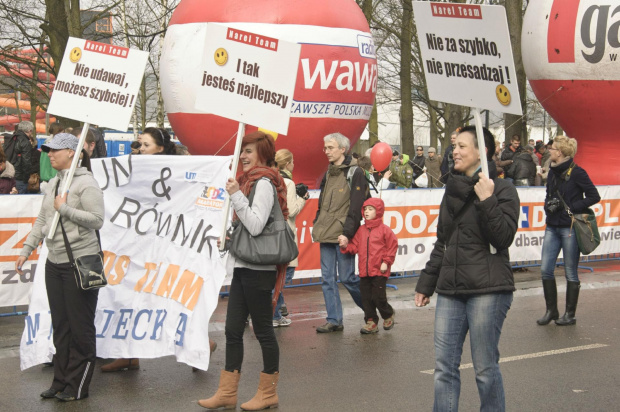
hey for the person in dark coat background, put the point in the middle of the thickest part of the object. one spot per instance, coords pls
(571, 183)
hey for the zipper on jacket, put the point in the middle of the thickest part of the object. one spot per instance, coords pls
(368, 251)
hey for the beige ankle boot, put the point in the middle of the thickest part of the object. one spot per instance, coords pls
(266, 396)
(226, 395)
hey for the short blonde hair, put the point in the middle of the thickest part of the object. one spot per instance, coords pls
(566, 145)
(283, 157)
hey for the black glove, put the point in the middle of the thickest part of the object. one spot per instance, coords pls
(301, 189)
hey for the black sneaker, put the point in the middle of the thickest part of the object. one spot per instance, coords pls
(329, 327)
(49, 394)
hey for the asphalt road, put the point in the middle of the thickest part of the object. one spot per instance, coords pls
(546, 368)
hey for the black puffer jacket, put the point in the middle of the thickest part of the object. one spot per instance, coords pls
(20, 155)
(576, 189)
(463, 264)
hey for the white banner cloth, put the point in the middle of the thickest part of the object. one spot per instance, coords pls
(163, 217)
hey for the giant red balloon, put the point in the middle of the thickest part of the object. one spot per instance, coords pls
(381, 156)
(336, 78)
(570, 50)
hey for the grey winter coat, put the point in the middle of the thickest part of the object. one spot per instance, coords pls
(81, 216)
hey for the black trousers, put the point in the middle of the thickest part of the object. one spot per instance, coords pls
(73, 320)
(372, 289)
(250, 293)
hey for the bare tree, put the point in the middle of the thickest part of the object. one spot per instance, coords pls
(515, 124)
(33, 41)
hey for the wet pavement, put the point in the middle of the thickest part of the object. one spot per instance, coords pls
(555, 368)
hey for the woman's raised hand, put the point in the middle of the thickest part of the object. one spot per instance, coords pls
(232, 186)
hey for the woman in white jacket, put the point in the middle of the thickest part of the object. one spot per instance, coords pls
(284, 161)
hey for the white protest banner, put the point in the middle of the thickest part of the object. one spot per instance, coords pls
(18, 215)
(467, 56)
(162, 221)
(248, 77)
(98, 83)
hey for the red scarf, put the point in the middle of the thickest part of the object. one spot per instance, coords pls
(246, 182)
(249, 178)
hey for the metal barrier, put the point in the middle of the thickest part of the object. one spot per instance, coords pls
(414, 274)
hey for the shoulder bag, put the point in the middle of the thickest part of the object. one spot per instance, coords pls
(274, 246)
(88, 269)
(586, 229)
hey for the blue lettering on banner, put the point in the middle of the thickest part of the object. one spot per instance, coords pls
(159, 323)
(109, 314)
(122, 322)
(181, 329)
(32, 328)
(525, 213)
(137, 321)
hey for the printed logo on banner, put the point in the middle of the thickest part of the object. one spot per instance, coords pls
(191, 176)
(452, 10)
(366, 46)
(11, 243)
(212, 198)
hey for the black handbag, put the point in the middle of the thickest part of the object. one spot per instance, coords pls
(586, 229)
(88, 269)
(274, 246)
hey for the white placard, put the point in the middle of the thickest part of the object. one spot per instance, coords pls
(467, 56)
(98, 83)
(248, 77)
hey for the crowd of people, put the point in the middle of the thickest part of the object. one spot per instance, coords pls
(469, 267)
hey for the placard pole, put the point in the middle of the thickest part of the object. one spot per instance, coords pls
(235, 164)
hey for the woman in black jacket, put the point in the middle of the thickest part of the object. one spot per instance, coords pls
(570, 184)
(470, 270)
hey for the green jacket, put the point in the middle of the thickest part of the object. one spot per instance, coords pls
(340, 203)
(45, 168)
(402, 174)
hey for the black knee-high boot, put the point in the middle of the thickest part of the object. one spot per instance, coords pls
(572, 296)
(551, 298)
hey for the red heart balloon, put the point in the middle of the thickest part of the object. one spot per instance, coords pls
(381, 156)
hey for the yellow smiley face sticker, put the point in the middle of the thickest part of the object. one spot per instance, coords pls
(75, 55)
(221, 56)
(503, 95)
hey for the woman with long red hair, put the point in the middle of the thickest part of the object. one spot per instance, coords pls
(252, 284)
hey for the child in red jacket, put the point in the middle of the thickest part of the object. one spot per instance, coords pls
(376, 245)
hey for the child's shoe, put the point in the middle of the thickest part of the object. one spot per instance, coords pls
(370, 327)
(389, 322)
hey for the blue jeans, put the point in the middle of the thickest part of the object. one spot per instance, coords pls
(483, 317)
(22, 187)
(333, 264)
(557, 238)
(290, 272)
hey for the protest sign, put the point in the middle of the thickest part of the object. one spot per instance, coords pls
(248, 77)
(98, 83)
(162, 221)
(466, 55)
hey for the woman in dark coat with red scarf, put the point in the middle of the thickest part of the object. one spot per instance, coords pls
(252, 285)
